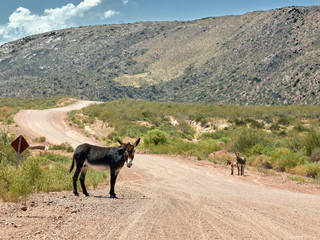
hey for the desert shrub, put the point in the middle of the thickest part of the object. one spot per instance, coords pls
(300, 170)
(315, 157)
(244, 138)
(55, 158)
(300, 128)
(261, 161)
(204, 148)
(284, 120)
(202, 120)
(274, 127)
(155, 137)
(40, 139)
(7, 176)
(283, 159)
(239, 122)
(56, 177)
(311, 170)
(186, 131)
(293, 142)
(113, 136)
(63, 146)
(259, 149)
(312, 141)
(131, 129)
(215, 135)
(254, 123)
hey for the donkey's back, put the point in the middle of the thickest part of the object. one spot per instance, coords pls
(96, 157)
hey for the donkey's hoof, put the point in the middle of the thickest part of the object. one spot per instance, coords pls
(87, 194)
(113, 196)
(76, 194)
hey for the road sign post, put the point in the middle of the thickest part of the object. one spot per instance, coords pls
(19, 145)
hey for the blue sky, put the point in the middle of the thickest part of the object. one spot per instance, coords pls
(20, 18)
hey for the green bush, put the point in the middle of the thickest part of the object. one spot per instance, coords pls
(260, 149)
(254, 123)
(113, 136)
(315, 157)
(215, 135)
(313, 170)
(275, 127)
(284, 159)
(56, 177)
(40, 139)
(284, 120)
(293, 142)
(244, 138)
(63, 146)
(312, 141)
(155, 137)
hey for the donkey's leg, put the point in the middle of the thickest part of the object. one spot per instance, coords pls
(113, 179)
(74, 180)
(242, 169)
(238, 169)
(231, 170)
(82, 178)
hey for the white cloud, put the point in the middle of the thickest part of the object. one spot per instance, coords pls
(125, 2)
(110, 13)
(22, 22)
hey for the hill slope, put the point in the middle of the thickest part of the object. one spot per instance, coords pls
(267, 57)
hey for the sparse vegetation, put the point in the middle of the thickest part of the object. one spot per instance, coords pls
(44, 173)
(40, 174)
(285, 148)
(63, 146)
(41, 139)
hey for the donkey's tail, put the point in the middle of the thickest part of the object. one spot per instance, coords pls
(72, 166)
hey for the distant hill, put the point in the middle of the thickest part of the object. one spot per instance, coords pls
(263, 57)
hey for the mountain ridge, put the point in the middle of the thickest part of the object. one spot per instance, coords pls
(263, 57)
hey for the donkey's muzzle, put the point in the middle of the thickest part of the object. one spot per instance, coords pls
(129, 162)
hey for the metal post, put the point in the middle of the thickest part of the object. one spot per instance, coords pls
(19, 148)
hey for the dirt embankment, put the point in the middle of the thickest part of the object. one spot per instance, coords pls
(163, 197)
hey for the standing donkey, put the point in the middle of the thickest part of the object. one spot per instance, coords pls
(101, 159)
(240, 161)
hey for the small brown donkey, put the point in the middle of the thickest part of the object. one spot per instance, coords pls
(242, 162)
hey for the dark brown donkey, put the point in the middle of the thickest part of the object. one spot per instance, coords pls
(241, 162)
(101, 159)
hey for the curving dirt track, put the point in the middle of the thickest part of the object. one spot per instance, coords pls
(51, 124)
(161, 197)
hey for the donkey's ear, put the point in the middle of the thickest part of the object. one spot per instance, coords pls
(137, 142)
(121, 143)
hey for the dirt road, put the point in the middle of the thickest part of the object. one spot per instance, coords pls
(162, 197)
(51, 124)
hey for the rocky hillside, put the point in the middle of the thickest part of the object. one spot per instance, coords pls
(270, 57)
